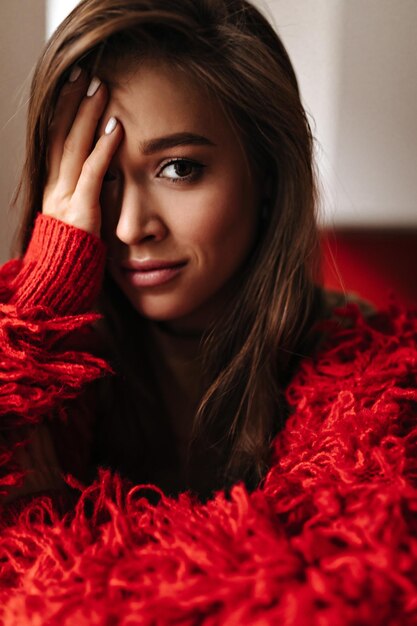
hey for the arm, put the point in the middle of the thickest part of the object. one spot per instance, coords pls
(44, 299)
(46, 295)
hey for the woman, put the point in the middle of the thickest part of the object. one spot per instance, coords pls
(230, 192)
(168, 148)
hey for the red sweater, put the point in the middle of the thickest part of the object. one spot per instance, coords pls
(328, 538)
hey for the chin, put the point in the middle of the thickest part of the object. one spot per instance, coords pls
(162, 311)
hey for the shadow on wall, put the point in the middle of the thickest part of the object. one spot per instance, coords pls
(376, 264)
(22, 36)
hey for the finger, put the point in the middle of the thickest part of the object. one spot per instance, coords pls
(79, 141)
(88, 189)
(65, 111)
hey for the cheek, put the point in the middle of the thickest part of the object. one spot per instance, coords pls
(220, 223)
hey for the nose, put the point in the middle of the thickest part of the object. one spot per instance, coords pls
(139, 218)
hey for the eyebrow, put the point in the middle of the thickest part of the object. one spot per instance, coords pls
(171, 141)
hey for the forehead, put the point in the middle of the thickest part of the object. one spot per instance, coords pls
(162, 97)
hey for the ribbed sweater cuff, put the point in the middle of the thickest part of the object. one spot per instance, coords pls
(62, 268)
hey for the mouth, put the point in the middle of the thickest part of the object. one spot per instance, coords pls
(152, 274)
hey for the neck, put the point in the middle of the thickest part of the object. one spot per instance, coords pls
(169, 330)
(179, 350)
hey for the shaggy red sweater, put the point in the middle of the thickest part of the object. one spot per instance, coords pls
(327, 539)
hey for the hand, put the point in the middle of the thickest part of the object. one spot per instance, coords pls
(75, 165)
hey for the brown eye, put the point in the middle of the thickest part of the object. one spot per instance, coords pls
(179, 170)
(183, 168)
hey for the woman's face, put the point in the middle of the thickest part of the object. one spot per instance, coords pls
(180, 207)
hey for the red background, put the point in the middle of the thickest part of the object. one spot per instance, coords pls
(372, 263)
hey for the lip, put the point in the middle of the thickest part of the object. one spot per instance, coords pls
(149, 264)
(151, 273)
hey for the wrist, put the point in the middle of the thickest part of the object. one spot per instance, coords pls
(62, 268)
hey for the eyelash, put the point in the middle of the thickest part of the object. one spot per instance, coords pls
(198, 168)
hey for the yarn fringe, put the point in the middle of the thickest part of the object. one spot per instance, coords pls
(329, 537)
(38, 371)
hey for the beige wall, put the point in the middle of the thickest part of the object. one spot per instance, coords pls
(22, 25)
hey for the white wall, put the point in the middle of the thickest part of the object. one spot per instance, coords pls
(375, 144)
(356, 61)
(56, 11)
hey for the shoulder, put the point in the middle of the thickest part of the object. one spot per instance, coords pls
(336, 312)
(332, 301)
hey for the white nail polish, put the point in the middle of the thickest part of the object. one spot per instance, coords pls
(93, 86)
(75, 73)
(110, 126)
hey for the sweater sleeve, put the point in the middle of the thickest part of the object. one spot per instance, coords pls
(45, 299)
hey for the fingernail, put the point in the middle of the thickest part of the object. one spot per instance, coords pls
(75, 72)
(110, 126)
(93, 86)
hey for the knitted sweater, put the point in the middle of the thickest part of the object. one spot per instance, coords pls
(328, 538)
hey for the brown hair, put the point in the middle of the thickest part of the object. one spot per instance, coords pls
(229, 47)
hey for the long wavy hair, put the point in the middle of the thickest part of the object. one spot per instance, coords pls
(230, 48)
